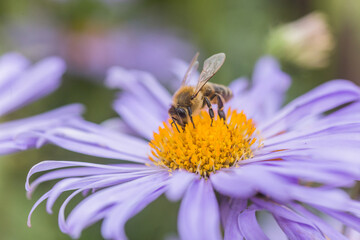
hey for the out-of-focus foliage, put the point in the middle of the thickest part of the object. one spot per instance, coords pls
(240, 28)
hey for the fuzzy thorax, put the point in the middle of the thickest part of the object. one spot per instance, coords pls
(204, 149)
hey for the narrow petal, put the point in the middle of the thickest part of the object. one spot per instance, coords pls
(113, 226)
(45, 75)
(178, 184)
(238, 86)
(327, 230)
(199, 213)
(92, 139)
(230, 210)
(346, 218)
(42, 121)
(245, 182)
(11, 66)
(80, 216)
(117, 125)
(139, 88)
(294, 225)
(269, 81)
(79, 169)
(132, 80)
(249, 225)
(17, 135)
(130, 108)
(323, 98)
(87, 167)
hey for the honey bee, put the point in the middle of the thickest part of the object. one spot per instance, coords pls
(189, 100)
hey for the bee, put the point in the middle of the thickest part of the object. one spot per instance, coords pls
(189, 100)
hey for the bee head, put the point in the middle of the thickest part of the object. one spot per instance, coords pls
(178, 115)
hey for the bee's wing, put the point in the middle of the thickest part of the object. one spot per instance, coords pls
(211, 66)
(193, 65)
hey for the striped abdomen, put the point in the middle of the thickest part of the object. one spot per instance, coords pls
(211, 90)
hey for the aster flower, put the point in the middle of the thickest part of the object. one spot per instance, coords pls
(22, 84)
(289, 162)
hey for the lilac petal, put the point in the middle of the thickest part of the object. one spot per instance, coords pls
(269, 81)
(99, 143)
(249, 225)
(238, 86)
(334, 199)
(11, 66)
(268, 71)
(327, 230)
(96, 184)
(346, 155)
(247, 182)
(114, 223)
(99, 181)
(351, 111)
(9, 146)
(100, 214)
(296, 231)
(130, 108)
(230, 209)
(320, 130)
(51, 165)
(178, 183)
(66, 173)
(346, 218)
(15, 135)
(199, 213)
(79, 217)
(138, 83)
(224, 183)
(45, 75)
(294, 225)
(117, 125)
(84, 171)
(42, 121)
(40, 200)
(331, 174)
(323, 98)
(140, 87)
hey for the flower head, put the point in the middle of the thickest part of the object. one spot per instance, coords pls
(204, 150)
(286, 162)
(22, 84)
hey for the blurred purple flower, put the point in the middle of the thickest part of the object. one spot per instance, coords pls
(310, 151)
(93, 49)
(22, 84)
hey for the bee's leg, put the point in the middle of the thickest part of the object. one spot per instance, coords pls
(190, 115)
(173, 122)
(211, 111)
(220, 103)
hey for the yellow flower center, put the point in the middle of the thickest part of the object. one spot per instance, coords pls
(204, 149)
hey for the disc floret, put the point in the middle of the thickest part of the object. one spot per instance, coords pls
(205, 149)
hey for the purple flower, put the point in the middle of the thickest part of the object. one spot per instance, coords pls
(288, 162)
(22, 84)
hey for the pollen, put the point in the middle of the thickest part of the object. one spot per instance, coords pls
(206, 148)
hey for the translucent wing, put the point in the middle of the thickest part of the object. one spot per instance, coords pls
(193, 65)
(211, 66)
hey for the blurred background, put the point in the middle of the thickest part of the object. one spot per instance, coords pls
(92, 35)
